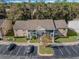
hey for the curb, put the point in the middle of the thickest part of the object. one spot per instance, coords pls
(54, 44)
(65, 44)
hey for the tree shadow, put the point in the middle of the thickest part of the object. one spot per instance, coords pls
(71, 32)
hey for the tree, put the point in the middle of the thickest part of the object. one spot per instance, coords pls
(43, 11)
(46, 39)
(12, 13)
(70, 13)
(2, 10)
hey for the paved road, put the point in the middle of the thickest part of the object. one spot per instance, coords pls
(26, 57)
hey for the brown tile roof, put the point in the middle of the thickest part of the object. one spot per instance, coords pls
(34, 24)
(60, 24)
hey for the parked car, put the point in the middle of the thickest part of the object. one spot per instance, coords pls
(30, 49)
(55, 46)
(61, 46)
(1, 39)
(11, 46)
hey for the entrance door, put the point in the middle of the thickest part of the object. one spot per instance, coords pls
(40, 30)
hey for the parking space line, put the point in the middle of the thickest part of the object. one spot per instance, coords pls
(78, 46)
(11, 52)
(1, 47)
(18, 50)
(24, 51)
(60, 51)
(67, 50)
(5, 50)
(74, 50)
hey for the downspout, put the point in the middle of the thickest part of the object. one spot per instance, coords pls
(2, 34)
(54, 31)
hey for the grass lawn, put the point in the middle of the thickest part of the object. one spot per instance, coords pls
(20, 40)
(72, 37)
(34, 41)
(68, 39)
(9, 38)
(45, 50)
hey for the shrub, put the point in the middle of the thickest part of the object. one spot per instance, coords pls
(33, 37)
(10, 33)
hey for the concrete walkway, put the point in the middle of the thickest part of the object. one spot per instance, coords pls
(21, 44)
(36, 44)
(66, 43)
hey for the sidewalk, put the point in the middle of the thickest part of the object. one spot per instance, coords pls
(66, 43)
(36, 44)
(21, 44)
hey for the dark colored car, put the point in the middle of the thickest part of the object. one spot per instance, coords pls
(61, 46)
(30, 49)
(11, 46)
(55, 46)
(58, 46)
(1, 39)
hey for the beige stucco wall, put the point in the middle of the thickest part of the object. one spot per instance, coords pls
(63, 32)
(6, 26)
(19, 33)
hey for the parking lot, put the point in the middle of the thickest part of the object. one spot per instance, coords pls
(19, 52)
(66, 51)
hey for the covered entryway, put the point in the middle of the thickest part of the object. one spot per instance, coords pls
(40, 31)
(32, 33)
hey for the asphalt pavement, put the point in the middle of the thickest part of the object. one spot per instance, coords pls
(64, 52)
